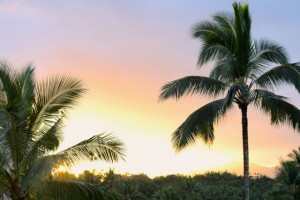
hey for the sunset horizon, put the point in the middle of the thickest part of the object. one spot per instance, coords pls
(124, 53)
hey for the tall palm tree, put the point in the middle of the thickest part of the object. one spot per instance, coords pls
(245, 70)
(31, 118)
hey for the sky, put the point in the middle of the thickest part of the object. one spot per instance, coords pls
(124, 52)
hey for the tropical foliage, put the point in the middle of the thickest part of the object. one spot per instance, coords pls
(208, 186)
(288, 177)
(245, 71)
(31, 119)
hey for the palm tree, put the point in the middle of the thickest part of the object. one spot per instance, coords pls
(246, 70)
(295, 155)
(31, 118)
(288, 174)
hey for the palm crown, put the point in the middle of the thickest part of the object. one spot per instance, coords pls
(31, 119)
(245, 71)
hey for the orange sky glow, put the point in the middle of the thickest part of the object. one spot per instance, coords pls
(124, 53)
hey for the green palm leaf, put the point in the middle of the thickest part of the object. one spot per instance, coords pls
(17, 98)
(9, 78)
(231, 97)
(224, 71)
(295, 155)
(39, 171)
(5, 153)
(191, 85)
(215, 43)
(27, 86)
(270, 51)
(289, 172)
(199, 124)
(264, 53)
(103, 146)
(226, 21)
(258, 94)
(281, 112)
(54, 97)
(243, 42)
(3, 99)
(206, 31)
(6, 180)
(283, 74)
(48, 141)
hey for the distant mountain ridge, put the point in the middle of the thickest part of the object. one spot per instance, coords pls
(237, 168)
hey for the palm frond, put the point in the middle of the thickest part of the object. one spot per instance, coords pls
(265, 52)
(217, 43)
(6, 180)
(65, 190)
(288, 172)
(13, 139)
(39, 170)
(213, 52)
(242, 18)
(205, 30)
(54, 97)
(19, 89)
(258, 95)
(191, 85)
(270, 51)
(295, 155)
(48, 140)
(3, 98)
(8, 78)
(5, 153)
(102, 146)
(226, 21)
(224, 71)
(26, 83)
(230, 97)
(243, 43)
(283, 74)
(280, 111)
(200, 124)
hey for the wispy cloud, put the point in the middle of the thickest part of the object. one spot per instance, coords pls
(10, 7)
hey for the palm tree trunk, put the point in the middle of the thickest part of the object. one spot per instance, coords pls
(245, 151)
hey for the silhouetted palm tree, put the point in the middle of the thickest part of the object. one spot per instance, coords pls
(31, 119)
(288, 177)
(246, 70)
(295, 155)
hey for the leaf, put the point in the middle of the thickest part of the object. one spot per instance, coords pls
(54, 97)
(39, 170)
(280, 111)
(191, 85)
(102, 146)
(47, 140)
(283, 74)
(199, 124)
